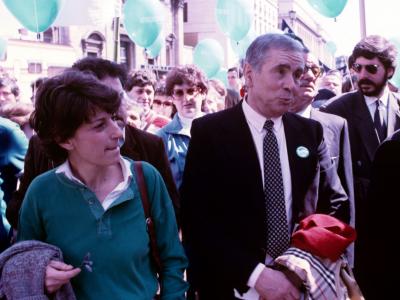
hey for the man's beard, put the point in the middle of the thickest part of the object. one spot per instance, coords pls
(378, 87)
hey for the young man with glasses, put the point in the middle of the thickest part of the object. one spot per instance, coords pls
(188, 87)
(372, 113)
(162, 103)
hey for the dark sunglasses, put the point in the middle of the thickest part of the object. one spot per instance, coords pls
(179, 93)
(164, 103)
(372, 69)
(317, 71)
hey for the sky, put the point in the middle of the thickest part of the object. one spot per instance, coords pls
(382, 17)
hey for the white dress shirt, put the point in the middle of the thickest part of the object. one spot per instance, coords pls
(370, 101)
(116, 192)
(256, 124)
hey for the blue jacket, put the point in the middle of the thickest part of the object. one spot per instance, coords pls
(176, 144)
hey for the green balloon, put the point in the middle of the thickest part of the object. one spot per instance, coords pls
(34, 15)
(3, 48)
(208, 55)
(331, 47)
(241, 46)
(328, 8)
(143, 20)
(234, 17)
(154, 49)
(222, 75)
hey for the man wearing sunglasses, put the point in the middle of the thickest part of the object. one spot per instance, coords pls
(372, 114)
(336, 133)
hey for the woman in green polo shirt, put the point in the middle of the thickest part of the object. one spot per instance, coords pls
(90, 206)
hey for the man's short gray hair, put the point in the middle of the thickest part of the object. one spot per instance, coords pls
(259, 48)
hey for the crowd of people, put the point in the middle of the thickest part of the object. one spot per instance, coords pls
(231, 175)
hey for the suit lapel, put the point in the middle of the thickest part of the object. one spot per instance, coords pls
(393, 114)
(365, 126)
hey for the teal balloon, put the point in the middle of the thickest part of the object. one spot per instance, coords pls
(222, 75)
(396, 77)
(331, 47)
(234, 17)
(154, 49)
(34, 15)
(328, 8)
(241, 46)
(208, 55)
(143, 20)
(3, 48)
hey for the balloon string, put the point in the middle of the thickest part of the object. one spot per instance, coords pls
(36, 18)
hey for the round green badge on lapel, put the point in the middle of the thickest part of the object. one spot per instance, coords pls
(302, 152)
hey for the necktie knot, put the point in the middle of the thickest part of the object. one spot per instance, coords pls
(268, 125)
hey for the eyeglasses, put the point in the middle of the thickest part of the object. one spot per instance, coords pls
(316, 70)
(372, 69)
(164, 103)
(179, 93)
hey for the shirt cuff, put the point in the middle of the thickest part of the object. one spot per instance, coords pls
(254, 276)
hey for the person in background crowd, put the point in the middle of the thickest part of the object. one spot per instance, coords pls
(332, 80)
(252, 173)
(95, 187)
(187, 85)
(232, 98)
(215, 100)
(372, 114)
(234, 81)
(137, 144)
(336, 133)
(140, 87)
(13, 147)
(162, 103)
(349, 83)
(9, 91)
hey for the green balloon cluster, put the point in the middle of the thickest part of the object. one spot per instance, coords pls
(143, 20)
(241, 46)
(208, 55)
(234, 17)
(34, 15)
(331, 47)
(328, 8)
(154, 49)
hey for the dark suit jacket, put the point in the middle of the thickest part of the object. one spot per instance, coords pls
(222, 198)
(139, 145)
(379, 236)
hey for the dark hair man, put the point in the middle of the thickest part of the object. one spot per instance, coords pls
(372, 113)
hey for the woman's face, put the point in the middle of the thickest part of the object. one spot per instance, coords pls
(96, 142)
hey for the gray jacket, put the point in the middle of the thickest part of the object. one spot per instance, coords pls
(23, 268)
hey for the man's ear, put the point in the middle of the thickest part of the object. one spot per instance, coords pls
(248, 74)
(390, 72)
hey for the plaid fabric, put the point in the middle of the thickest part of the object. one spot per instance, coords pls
(321, 276)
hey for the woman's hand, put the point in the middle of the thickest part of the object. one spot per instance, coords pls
(58, 274)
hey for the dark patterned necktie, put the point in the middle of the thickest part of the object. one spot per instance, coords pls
(277, 225)
(379, 122)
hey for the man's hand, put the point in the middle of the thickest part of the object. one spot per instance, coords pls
(58, 274)
(273, 285)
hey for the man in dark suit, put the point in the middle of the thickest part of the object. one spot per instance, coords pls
(372, 113)
(138, 145)
(382, 224)
(336, 133)
(227, 190)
